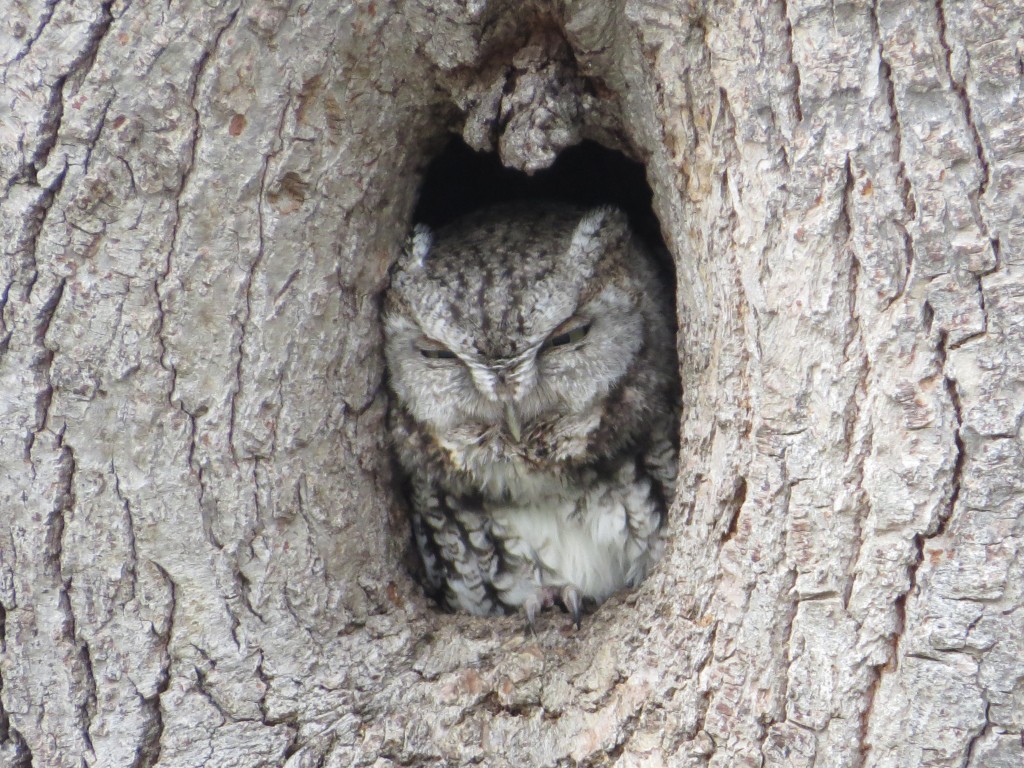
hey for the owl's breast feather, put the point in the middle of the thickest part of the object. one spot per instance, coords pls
(513, 475)
(546, 457)
(577, 537)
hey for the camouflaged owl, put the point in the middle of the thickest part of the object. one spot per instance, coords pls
(532, 364)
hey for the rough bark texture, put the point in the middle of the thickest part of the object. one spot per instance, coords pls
(200, 548)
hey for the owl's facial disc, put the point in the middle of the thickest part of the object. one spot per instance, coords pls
(511, 390)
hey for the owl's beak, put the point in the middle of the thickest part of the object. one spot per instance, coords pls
(512, 422)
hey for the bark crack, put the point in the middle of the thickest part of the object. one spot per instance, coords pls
(11, 741)
(253, 267)
(937, 526)
(50, 122)
(197, 73)
(86, 695)
(53, 113)
(788, 621)
(94, 137)
(49, 7)
(797, 106)
(903, 182)
(960, 89)
(201, 686)
(855, 357)
(733, 507)
(133, 555)
(6, 331)
(151, 745)
(44, 397)
(982, 731)
(958, 461)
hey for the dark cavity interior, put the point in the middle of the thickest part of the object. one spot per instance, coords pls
(460, 180)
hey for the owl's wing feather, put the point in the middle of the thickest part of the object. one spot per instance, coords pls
(459, 556)
(661, 461)
(430, 553)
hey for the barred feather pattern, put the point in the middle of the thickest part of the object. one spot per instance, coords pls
(532, 366)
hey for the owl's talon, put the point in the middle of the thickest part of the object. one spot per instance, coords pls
(543, 597)
(531, 607)
(573, 602)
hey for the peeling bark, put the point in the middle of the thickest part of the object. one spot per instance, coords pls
(201, 548)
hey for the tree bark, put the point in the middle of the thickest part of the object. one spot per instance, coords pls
(201, 545)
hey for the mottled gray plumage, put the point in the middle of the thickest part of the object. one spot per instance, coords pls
(531, 360)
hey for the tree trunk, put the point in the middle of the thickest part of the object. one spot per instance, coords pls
(201, 547)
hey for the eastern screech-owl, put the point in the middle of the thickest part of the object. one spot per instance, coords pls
(531, 358)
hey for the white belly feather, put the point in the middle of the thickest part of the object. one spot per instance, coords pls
(598, 540)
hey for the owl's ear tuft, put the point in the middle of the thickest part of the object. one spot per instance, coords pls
(585, 241)
(417, 247)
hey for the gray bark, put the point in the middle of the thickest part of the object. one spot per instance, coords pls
(200, 546)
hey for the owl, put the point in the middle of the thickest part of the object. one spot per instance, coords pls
(532, 367)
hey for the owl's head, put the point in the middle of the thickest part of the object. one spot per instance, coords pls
(517, 316)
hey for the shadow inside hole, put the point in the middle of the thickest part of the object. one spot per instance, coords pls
(460, 180)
